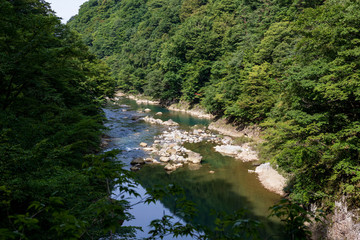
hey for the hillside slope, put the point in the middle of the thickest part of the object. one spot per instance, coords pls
(291, 67)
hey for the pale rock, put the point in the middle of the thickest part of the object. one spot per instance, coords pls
(173, 158)
(159, 114)
(178, 165)
(172, 145)
(170, 167)
(170, 123)
(228, 149)
(164, 159)
(271, 179)
(194, 157)
(248, 155)
(180, 159)
(142, 144)
(147, 110)
(171, 151)
(227, 140)
(148, 149)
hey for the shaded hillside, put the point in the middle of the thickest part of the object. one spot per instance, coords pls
(52, 186)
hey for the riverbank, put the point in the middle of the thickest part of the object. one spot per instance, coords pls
(268, 176)
(196, 110)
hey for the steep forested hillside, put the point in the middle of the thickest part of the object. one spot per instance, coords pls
(291, 67)
(52, 186)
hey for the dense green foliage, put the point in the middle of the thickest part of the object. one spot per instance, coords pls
(291, 67)
(52, 186)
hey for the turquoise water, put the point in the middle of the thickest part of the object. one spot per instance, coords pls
(229, 189)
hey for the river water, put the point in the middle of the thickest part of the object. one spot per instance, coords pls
(229, 189)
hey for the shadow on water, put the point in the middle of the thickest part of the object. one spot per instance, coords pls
(227, 190)
(210, 193)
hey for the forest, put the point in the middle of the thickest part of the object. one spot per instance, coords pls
(289, 67)
(53, 185)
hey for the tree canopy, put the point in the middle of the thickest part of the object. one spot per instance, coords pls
(290, 67)
(52, 186)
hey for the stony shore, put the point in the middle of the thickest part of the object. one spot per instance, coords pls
(195, 111)
(138, 98)
(225, 128)
(168, 150)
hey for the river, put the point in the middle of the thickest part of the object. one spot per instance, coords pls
(229, 189)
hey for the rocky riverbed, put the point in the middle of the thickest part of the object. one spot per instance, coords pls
(168, 150)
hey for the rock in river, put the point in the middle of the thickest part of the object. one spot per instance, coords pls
(164, 159)
(137, 161)
(170, 123)
(135, 168)
(170, 167)
(142, 144)
(194, 157)
(228, 149)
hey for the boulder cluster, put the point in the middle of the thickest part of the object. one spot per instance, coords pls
(159, 121)
(169, 151)
(168, 148)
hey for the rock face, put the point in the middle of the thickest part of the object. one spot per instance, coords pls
(225, 128)
(195, 111)
(271, 179)
(341, 224)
